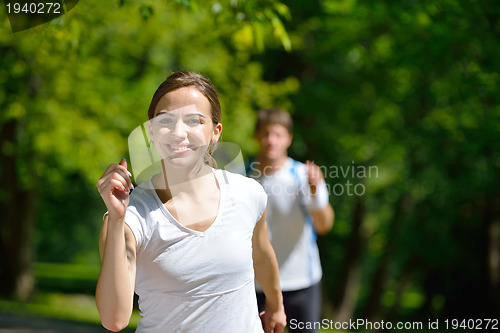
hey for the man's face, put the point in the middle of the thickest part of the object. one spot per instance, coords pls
(274, 141)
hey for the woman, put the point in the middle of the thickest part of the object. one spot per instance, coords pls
(190, 240)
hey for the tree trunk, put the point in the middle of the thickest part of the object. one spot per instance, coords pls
(372, 309)
(18, 206)
(491, 226)
(348, 289)
(403, 282)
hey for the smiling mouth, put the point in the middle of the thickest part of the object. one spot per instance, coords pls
(179, 148)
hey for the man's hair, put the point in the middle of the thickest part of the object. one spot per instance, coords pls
(274, 116)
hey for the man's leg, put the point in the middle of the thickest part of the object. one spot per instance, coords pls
(304, 307)
(261, 301)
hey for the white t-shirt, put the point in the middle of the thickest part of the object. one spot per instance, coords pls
(290, 227)
(192, 281)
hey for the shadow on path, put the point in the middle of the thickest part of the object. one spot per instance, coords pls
(13, 323)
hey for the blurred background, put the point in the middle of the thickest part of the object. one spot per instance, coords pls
(407, 90)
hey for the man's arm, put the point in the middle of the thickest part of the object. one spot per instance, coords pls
(324, 217)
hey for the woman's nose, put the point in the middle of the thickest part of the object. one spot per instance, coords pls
(179, 129)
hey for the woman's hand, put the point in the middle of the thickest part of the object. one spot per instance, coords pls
(114, 186)
(273, 321)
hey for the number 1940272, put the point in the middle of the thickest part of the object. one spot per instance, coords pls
(472, 324)
(33, 8)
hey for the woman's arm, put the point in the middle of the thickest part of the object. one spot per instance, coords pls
(266, 273)
(115, 286)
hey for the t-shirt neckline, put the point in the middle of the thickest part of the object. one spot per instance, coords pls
(174, 221)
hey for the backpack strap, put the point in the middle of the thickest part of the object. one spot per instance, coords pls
(248, 166)
(303, 208)
(308, 218)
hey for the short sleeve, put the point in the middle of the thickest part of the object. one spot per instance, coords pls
(136, 220)
(261, 200)
(133, 221)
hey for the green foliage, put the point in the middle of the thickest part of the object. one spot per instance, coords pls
(78, 85)
(408, 87)
(78, 81)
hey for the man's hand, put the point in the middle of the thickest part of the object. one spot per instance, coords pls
(314, 175)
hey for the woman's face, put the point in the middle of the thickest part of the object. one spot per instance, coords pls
(182, 127)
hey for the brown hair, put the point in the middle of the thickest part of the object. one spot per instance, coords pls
(274, 116)
(182, 79)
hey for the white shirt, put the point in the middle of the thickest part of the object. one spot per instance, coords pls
(289, 224)
(192, 281)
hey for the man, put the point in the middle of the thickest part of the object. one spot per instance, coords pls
(298, 209)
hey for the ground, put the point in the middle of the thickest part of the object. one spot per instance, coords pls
(13, 323)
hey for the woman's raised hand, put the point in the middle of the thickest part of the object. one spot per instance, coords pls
(114, 186)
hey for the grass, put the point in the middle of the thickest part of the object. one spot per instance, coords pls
(56, 305)
(67, 278)
(66, 291)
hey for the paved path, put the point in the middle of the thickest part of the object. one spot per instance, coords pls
(10, 323)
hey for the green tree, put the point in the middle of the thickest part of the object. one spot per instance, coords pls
(409, 87)
(74, 88)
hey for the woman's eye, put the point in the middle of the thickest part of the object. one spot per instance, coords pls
(193, 121)
(165, 121)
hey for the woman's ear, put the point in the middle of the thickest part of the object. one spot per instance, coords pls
(216, 133)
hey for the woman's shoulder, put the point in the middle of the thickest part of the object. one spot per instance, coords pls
(143, 196)
(245, 190)
(240, 185)
(233, 178)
